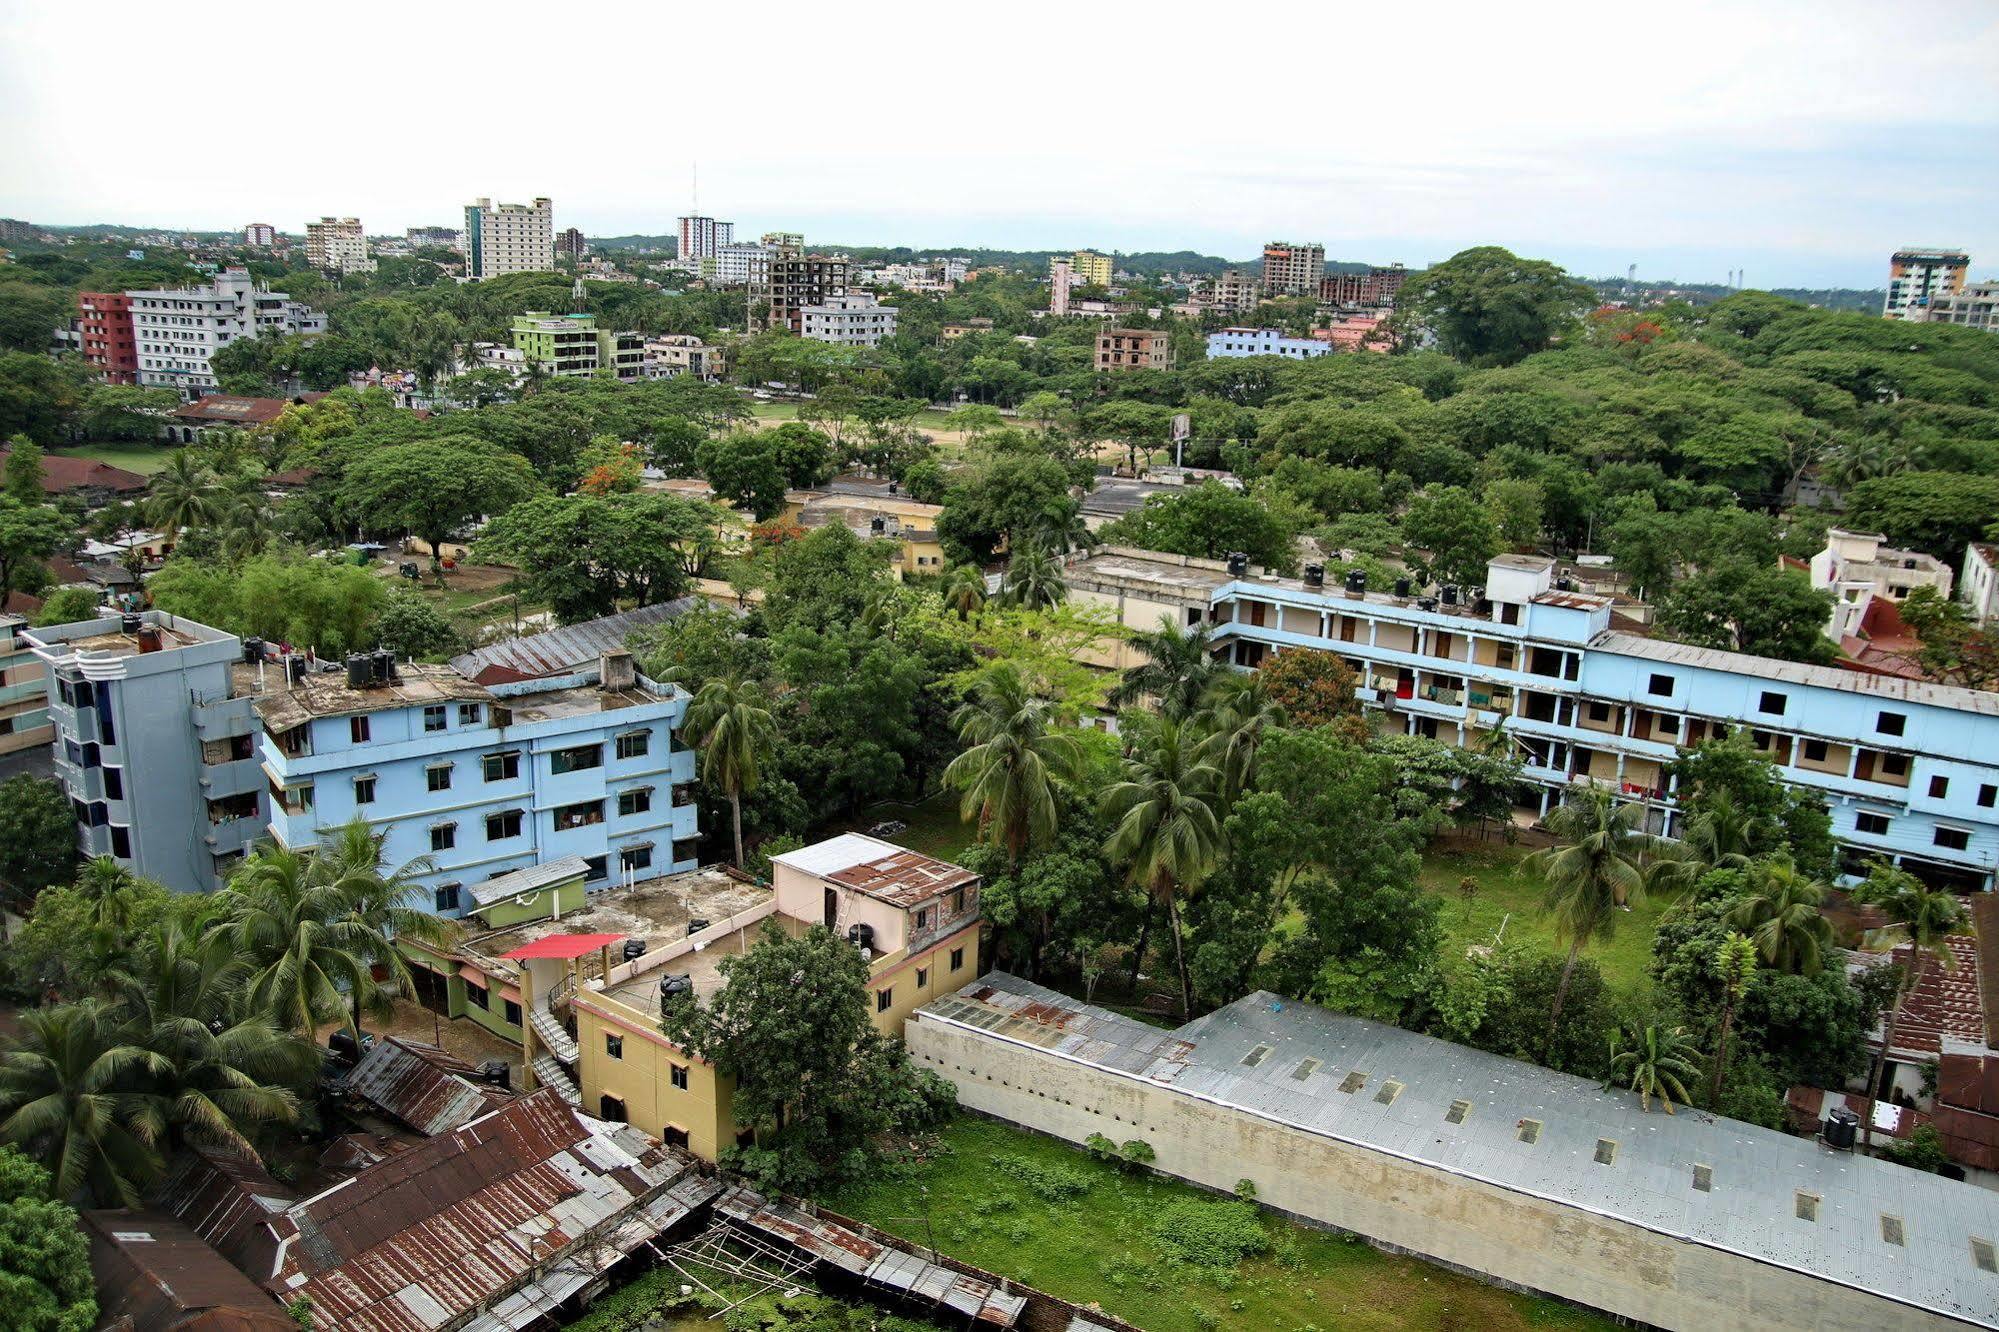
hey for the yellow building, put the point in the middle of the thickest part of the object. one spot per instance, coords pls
(1092, 269)
(879, 517)
(916, 917)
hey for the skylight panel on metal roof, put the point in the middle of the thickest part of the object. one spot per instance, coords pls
(1353, 1082)
(1982, 1255)
(1456, 1114)
(1256, 1056)
(1606, 1151)
(1891, 1229)
(1704, 1178)
(1528, 1131)
(1305, 1069)
(1806, 1206)
(1389, 1091)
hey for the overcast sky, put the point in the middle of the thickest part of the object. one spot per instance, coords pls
(1801, 142)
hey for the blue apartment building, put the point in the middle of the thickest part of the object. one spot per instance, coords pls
(473, 781)
(1909, 770)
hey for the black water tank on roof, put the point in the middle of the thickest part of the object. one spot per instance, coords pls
(1238, 564)
(1315, 575)
(1841, 1127)
(861, 934)
(1451, 595)
(129, 624)
(295, 668)
(359, 671)
(672, 987)
(1402, 587)
(634, 948)
(496, 1072)
(385, 666)
(253, 651)
(1426, 603)
(696, 924)
(1356, 580)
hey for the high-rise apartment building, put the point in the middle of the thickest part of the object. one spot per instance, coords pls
(1061, 276)
(574, 347)
(155, 741)
(1917, 277)
(260, 235)
(176, 331)
(798, 279)
(1292, 270)
(509, 238)
(337, 245)
(1975, 305)
(853, 320)
(24, 703)
(570, 244)
(109, 344)
(1373, 289)
(1235, 292)
(704, 237)
(1092, 269)
(744, 265)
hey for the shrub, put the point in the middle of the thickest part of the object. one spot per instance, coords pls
(1050, 1183)
(1211, 1234)
(1131, 1155)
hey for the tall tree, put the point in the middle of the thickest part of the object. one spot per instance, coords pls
(1486, 306)
(1779, 911)
(1239, 714)
(1014, 758)
(1166, 831)
(29, 534)
(182, 494)
(1596, 869)
(963, 589)
(37, 836)
(290, 923)
(730, 723)
(45, 1277)
(433, 489)
(1034, 579)
(1923, 916)
(1178, 668)
(1735, 961)
(66, 1100)
(1655, 1061)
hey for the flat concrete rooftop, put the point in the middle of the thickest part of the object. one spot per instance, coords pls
(656, 910)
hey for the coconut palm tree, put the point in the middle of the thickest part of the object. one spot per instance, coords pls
(382, 902)
(1238, 715)
(183, 494)
(291, 924)
(1597, 868)
(1060, 527)
(1923, 916)
(1165, 827)
(1736, 961)
(1780, 913)
(964, 590)
(1656, 1063)
(226, 1068)
(106, 885)
(1178, 668)
(1034, 579)
(243, 515)
(1015, 754)
(731, 726)
(1720, 836)
(66, 1100)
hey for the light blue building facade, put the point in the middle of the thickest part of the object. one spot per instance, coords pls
(1231, 342)
(474, 781)
(1909, 770)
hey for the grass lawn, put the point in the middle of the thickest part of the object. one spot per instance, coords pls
(1511, 895)
(1099, 1246)
(134, 456)
(774, 412)
(934, 826)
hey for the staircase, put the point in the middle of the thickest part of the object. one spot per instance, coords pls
(550, 1074)
(551, 1034)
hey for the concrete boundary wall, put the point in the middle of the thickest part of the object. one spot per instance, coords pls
(1515, 1238)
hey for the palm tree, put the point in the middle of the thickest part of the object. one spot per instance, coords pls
(66, 1100)
(1656, 1063)
(1720, 836)
(1060, 527)
(225, 1067)
(290, 923)
(1177, 669)
(183, 494)
(106, 886)
(1034, 579)
(1014, 756)
(964, 590)
(1235, 721)
(379, 901)
(1736, 961)
(1166, 829)
(729, 724)
(1780, 914)
(1923, 916)
(1595, 871)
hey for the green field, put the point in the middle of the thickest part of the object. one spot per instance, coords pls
(1510, 897)
(771, 412)
(934, 826)
(1100, 1246)
(142, 457)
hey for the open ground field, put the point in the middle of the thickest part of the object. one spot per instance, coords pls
(1100, 1244)
(142, 457)
(934, 826)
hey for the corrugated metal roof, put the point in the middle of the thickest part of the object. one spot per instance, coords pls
(532, 879)
(1797, 672)
(565, 650)
(155, 1272)
(422, 1086)
(877, 868)
(1756, 1172)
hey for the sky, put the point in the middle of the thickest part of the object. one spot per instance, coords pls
(1798, 142)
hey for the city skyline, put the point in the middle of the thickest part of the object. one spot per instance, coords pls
(1689, 143)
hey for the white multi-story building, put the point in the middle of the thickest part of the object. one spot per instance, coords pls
(1919, 277)
(853, 320)
(1979, 587)
(435, 236)
(1975, 306)
(177, 331)
(337, 245)
(260, 235)
(1231, 342)
(704, 237)
(1857, 566)
(745, 265)
(509, 238)
(671, 355)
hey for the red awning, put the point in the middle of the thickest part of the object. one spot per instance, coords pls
(563, 945)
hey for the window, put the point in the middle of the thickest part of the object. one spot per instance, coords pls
(1606, 1151)
(512, 1012)
(1256, 1056)
(923, 918)
(634, 744)
(1528, 1131)
(614, 1046)
(114, 784)
(477, 996)
(503, 825)
(1952, 839)
(433, 717)
(922, 978)
(121, 842)
(1895, 765)
(577, 759)
(1806, 1206)
(595, 868)
(1815, 751)
(1890, 723)
(1982, 1256)
(1389, 1091)
(357, 730)
(1661, 685)
(1771, 702)
(883, 998)
(446, 897)
(1456, 1114)
(444, 836)
(364, 790)
(1704, 1179)
(1874, 825)
(677, 1075)
(1599, 712)
(957, 959)
(611, 1109)
(1939, 787)
(468, 714)
(579, 815)
(634, 858)
(1987, 794)
(438, 777)
(502, 767)
(1891, 1230)
(958, 899)
(634, 802)
(1353, 1082)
